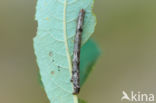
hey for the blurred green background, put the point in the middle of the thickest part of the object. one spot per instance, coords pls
(125, 32)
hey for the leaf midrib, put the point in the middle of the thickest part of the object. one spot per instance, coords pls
(66, 46)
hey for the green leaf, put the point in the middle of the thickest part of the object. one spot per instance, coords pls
(53, 45)
(82, 101)
(89, 54)
(39, 80)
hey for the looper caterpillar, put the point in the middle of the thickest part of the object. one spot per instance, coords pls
(76, 55)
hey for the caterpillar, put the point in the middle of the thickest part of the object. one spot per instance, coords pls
(76, 54)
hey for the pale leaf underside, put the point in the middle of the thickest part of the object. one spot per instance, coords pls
(54, 43)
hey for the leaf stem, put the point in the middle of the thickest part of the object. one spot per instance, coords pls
(67, 48)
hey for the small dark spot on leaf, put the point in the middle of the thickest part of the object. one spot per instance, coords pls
(52, 72)
(53, 60)
(50, 54)
(58, 68)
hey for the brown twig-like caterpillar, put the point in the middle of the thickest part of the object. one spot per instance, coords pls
(76, 55)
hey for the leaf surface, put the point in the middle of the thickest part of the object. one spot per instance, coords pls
(53, 44)
(82, 101)
(89, 54)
